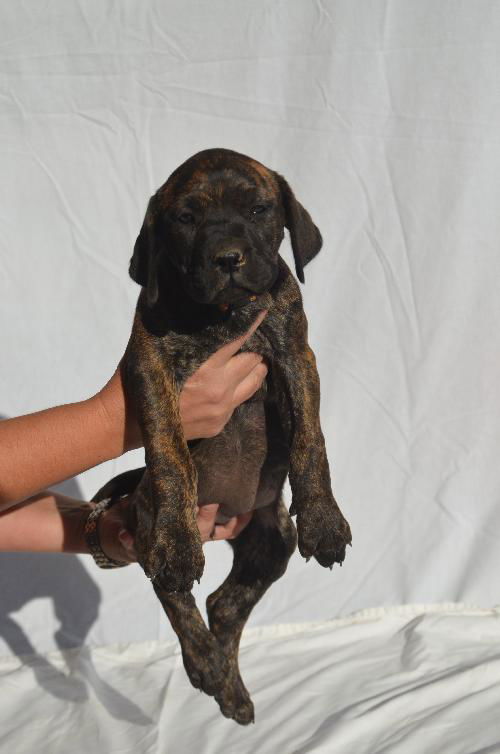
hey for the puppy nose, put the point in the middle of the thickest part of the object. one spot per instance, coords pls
(229, 260)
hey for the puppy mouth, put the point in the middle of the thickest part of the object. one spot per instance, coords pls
(234, 295)
(219, 287)
(230, 288)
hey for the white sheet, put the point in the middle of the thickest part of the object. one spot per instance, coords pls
(406, 680)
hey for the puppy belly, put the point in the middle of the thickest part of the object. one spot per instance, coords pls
(232, 484)
(229, 465)
(239, 493)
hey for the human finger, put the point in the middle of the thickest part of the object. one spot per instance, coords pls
(205, 519)
(240, 366)
(127, 542)
(231, 528)
(250, 384)
(224, 353)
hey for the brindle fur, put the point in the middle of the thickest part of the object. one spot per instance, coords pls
(186, 310)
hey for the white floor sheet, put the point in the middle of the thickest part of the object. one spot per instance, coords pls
(410, 680)
(384, 116)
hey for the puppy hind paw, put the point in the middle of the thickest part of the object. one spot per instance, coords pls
(235, 702)
(205, 665)
(244, 714)
(208, 670)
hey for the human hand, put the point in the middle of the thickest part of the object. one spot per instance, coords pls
(118, 542)
(207, 399)
(222, 382)
(211, 532)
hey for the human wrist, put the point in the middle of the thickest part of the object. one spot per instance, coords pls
(110, 424)
(74, 518)
(118, 416)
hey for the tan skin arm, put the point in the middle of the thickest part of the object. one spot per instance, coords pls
(44, 448)
(50, 522)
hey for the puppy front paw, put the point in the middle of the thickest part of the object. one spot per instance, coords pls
(323, 532)
(173, 556)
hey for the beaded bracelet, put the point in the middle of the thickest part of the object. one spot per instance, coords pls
(91, 532)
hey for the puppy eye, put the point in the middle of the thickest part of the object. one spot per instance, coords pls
(186, 217)
(259, 209)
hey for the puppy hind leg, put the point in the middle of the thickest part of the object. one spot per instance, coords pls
(261, 555)
(203, 657)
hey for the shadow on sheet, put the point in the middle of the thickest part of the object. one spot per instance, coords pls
(75, 598)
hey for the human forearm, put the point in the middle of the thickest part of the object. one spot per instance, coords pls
(47, 522)
(42, 449)
(50, 522)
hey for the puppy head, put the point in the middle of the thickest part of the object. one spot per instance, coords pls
(218, 223)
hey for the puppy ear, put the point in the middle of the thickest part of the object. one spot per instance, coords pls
(143, 267)
(304, 235)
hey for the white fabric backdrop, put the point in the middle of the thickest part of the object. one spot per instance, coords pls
(397, 681)
(384, 118)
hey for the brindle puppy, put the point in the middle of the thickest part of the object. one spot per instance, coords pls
(207, 258)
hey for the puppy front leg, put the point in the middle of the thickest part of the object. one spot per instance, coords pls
(168, 542)
(323, 531)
